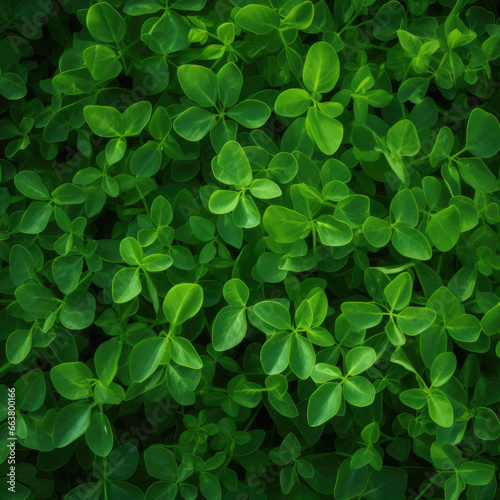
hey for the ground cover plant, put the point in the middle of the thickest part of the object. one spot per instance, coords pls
(249, 249)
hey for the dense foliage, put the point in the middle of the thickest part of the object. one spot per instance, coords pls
(249, 249)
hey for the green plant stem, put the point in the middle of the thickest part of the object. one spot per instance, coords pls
(121, 49)
(105, 476)
(255, 413)
(142, 198)
(421, 494)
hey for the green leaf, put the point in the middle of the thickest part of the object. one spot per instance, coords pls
(324, 403)
(131, 251)
(445, 456)
(415, 320)
(491, 321)
(332, 232)
(99, 435)
(442, 147)
(161, 211)
(156, 74)
(70, 423)
(115, 149)
(361, 457)
(413, 89)
(31, 390)
(444, 228)
(146, 357)
(388, 482)
(181, 382)
(194, 124)
(464, 328)
(222, 202)
(388, 20)
(258, 19)
(250, 113)
(106, 360)
(210, 487)
(104, 121)
(229, 328)
(371, 433)
(283, 167)
(414, 398)
(404, 209)
(348, 483)
(398, 292)
(246, 213)
(292, 102)
(285, 225)
(161, 463)
(198, 83)
(102, 62)
(453, 487)
(486, 424)
(476, 473)
(12, 86)
(362, 315)
(18, 346)
(247, 394)
(36, 300)
(443, 368)
(476, 174)
(304, 316)
(36, 218)
(321, 68)
(21, 265)
(300, 17)
(182, 302)
(265, 189)
(445, 304)
(146, 160)
(68, 194)
(31, 185)
(232, 166)
(229, 83)
(78, 310)
(335, 191)
(359, 391)
(202, 228)
(72, 380)
(483, 134)
(184, 354)
(377, 231)
(236, 292)
(126, 285)
(273, 313)
(411, 243)
(73, 82)
(160, 124)
(302, 356)
(323, 372)
(136, 117)
(105, 24)
(326, 132)
(359, 359)
(353, 210)
(402, 139)
(113, 394)
(440, 408)
(275, 353)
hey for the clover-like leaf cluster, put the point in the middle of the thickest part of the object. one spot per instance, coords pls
(249, 249)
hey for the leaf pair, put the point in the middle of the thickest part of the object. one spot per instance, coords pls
(327, 399)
